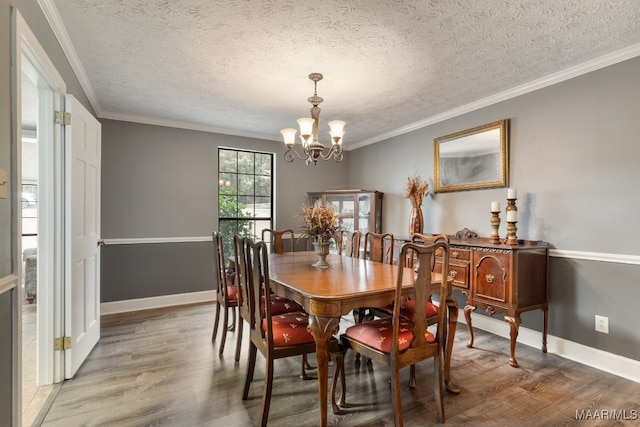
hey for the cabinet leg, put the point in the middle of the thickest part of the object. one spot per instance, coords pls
(514, 323)
(544, 329)
(467, 316)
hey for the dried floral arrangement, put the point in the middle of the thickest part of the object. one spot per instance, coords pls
(320, 222)
(416, 190)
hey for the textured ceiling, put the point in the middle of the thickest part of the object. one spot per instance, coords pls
(241, 66)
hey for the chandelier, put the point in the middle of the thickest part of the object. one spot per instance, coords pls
(312, 149)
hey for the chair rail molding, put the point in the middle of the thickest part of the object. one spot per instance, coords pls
(8, 282)
(596, 256)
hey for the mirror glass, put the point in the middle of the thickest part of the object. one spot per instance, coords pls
(472, 159)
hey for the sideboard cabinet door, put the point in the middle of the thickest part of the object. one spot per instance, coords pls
(491, 278)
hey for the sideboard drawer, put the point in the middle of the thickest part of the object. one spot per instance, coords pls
(458, 271)
(459, 254)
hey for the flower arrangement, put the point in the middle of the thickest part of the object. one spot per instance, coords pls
(320, 222)
(416, 190)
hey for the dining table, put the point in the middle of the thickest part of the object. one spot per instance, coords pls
(326, 294)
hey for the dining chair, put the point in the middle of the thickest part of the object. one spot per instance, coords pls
(398, 342)
(349, 244)
(275, 336)
(226, 292)
(408, 309)
(277, 239)
(378, 247)
(278, 304)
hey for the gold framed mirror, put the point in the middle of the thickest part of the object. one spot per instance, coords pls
(472, 159)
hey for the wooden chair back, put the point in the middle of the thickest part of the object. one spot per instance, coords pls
(222, 286)
(408, 349)
(220, 278)
(256, 256)
(261, 325)
(277, 239)
(379, 247)
(349, 244)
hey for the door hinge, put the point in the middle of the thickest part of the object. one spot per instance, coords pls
(62, 118)
(62, 343)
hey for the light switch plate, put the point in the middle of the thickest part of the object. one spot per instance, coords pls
(3, 184)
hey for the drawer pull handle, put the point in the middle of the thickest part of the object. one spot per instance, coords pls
(454, 254)
(489, 278)
(453, 274)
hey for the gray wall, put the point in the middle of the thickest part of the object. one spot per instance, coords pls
(574, 160)
(160, 182)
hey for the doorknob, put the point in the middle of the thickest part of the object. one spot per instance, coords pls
(100, 242)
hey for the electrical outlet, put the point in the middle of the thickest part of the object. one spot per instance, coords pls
(602, 324)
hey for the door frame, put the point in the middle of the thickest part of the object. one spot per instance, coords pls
(50, 200)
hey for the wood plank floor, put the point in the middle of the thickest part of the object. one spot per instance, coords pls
(159, 367)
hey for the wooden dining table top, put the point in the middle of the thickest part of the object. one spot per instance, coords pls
(346, 284)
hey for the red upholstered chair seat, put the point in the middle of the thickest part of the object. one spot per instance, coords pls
(281, 305)
(378, 334)
(289, 329)
(232, 292)
(408, 310)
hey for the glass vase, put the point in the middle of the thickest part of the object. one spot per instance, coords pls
(416, 222)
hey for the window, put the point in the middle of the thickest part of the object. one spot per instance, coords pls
(245, 194)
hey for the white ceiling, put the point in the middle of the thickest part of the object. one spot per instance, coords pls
(241, 66)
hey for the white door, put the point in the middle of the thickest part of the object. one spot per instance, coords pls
(82, 234)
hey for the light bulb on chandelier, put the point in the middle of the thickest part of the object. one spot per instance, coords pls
(312, 148)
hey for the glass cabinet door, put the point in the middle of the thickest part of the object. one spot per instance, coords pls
(364, 213)
(345, 207)
(357, 210)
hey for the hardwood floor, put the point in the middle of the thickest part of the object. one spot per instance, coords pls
(159, 367)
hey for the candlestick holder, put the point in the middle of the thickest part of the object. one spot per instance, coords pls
(511, 205)
(495, 225)
(512, 239)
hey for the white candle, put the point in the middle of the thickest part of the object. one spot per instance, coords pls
(512, 193)
(512, 216)
(495, 206)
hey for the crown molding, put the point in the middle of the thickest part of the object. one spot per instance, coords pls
(569, 73)
(183, 125)
(60, 31)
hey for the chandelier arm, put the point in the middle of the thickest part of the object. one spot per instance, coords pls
(289, 154)
(335, 151)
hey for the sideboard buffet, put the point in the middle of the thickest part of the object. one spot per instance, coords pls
(500, 278)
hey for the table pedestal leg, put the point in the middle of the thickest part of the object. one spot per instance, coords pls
(322, 328)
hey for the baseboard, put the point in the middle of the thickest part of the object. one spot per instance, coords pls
(156, 302)
(602, 360)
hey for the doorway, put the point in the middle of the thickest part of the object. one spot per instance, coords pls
(39, 92)
(35, 389)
